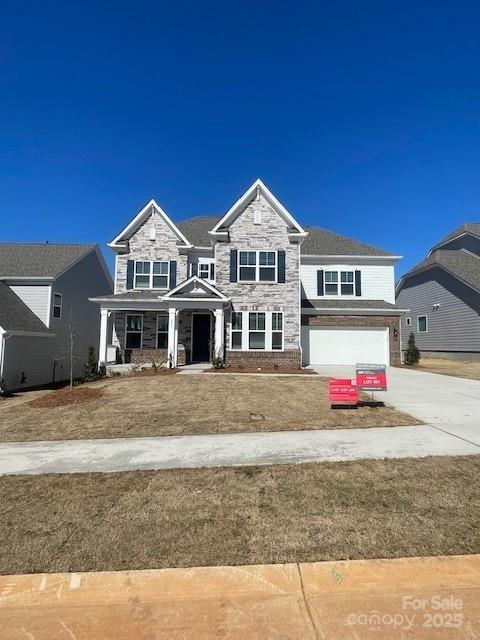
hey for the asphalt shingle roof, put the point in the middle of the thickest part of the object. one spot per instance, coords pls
(319, 241)
(39, 260)
(468, 227)
(459, 262)
(15, 315)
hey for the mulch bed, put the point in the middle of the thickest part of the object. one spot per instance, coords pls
(65, 397)
(261, 370)
(162, 371)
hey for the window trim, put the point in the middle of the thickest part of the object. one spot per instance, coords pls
(258, 266)
(232, 331)
(408, 322)
(257, 330)
(57, 306)
(426, 323)
(160, 315)
(132, 315)
(246, 331)
(151, 275)
(280, 331)
(339, 283)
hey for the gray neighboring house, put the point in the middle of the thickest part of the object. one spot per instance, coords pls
(42, 288)
(252, 286)
(442, 294)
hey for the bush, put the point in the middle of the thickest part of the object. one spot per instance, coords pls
(3, 388)
(91, 370)
(218, 363)
(412, 352)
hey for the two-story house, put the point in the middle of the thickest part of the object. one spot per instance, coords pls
(253, 287)
(46, 320)
(442, 294)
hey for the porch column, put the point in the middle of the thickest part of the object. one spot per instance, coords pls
(172, 337)
(219, 333)
(102, 348)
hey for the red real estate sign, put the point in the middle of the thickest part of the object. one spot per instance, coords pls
(371, 377)
(342, 391)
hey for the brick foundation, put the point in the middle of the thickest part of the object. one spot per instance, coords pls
(392, 322)
(142, 356)
(268, 359)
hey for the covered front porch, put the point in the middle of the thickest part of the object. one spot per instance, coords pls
(183, 326)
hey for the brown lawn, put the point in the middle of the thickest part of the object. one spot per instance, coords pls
(457, 368)
(249, 515)
(179, 405)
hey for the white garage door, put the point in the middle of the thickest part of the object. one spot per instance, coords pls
(345, 345)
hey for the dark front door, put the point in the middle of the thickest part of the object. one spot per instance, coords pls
(201, 337)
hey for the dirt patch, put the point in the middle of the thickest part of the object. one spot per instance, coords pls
(249, 515)
(65, 397)
(261, 370)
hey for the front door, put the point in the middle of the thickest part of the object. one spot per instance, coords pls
(201, 337)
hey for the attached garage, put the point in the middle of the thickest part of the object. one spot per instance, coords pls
(345, 345)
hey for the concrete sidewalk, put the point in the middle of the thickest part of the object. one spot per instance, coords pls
(329, 600)
(282, 447)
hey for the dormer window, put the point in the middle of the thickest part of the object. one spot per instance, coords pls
(151, 275)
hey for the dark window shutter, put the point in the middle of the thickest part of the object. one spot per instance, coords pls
(233, 265)
(130, 270)
(281, 266)
(358, 283)
(194, 268)
(212, 271)
(320, 282)
(173, 274)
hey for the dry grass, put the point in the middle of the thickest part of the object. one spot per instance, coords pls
(457, 368)
(179, 405)
(299, 513)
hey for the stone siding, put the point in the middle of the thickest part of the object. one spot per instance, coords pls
(164, 247)
(260, 296)
(392, 322)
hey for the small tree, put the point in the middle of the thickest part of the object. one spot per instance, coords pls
(412, 352)
(90, 369)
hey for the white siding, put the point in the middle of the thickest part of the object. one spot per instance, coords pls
(378, 281)
(36, 297)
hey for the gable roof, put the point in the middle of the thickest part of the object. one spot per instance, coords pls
(461, 263)
(472, 228)
(258, 187)
(122, 238)
(15, 315)
(196, 229)
(19, 260)
(194, 287)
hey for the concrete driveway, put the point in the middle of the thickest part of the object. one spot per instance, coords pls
(448, 403)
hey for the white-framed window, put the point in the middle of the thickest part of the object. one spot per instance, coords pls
(256, 330)
(162, 331)
(57, 305)
(151, 274)
(408, 322)
(206, 270)
(331, 283)
(257, 266)
(237, 327)
(422, 324)
(339, 283)
(133, 331)
(277, 330)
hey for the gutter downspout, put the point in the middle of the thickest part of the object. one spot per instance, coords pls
(2, 350)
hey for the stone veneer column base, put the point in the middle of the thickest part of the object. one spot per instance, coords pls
(287, 359)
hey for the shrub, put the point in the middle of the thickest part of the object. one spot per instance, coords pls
(91, 370)
(3, 388)
(412, 352)
(218, 363)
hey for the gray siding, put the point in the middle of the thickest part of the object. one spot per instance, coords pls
(36, 356)
(36, 297)
(454, 326)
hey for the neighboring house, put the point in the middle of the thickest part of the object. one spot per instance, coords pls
(442, 294)
(253, 287)
(44, 289)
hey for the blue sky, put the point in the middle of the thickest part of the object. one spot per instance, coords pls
(362, 117)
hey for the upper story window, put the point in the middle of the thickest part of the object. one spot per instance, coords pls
(339, 283)
(257, 266)
(206, 270)
(57, 305)
(151, 274)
